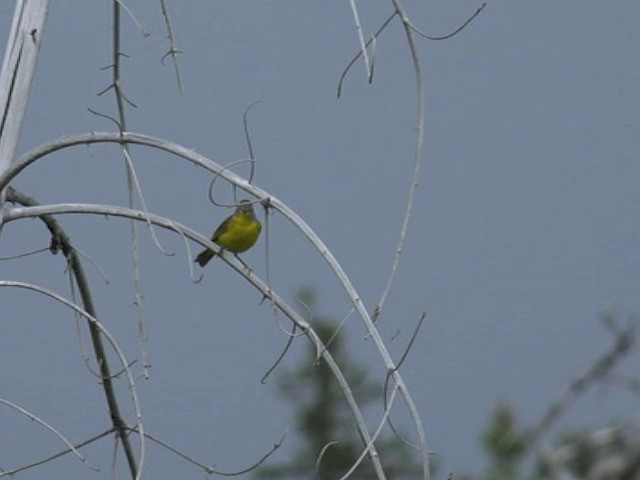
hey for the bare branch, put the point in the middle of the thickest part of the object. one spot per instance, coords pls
(211, 469)
(133, 18)
(369, 444)
(359, 54)
(413, 339)
(337, 331)
(61, 241)
(18, 213)
(173, 51)
(101, 331)
(363, 46)
(245, 122)
(108, 117)
(321, 455)
(18, 69)
(452, 34)
(273, 203)
(94, 264)
(218, 175)
(22, 255)
(624, 342)
(36, 419)
(388, 376)
(133, 187)
(263, 380)
(418, 159)
(10, 473)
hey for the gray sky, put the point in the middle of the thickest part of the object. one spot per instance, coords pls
(525, 225)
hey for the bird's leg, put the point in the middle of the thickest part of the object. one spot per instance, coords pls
(245, 265)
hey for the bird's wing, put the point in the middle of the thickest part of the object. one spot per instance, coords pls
(221, 229)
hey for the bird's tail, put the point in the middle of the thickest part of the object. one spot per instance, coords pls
(204, 256)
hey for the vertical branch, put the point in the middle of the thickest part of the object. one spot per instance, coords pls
(418, 159)
(131, 180)
(418, 156)
(245, 122)
(18, 68)
(173, 51)
(363, 46)
(409, 28)
(134, 468)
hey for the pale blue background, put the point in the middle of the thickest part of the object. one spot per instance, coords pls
(526, 223)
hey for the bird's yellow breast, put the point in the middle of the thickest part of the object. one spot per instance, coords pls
(241, 233)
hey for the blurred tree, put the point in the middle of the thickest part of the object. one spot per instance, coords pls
(611, 453)
(324, 421)
(504, 445)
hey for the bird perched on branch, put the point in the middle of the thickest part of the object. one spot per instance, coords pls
(237, 233)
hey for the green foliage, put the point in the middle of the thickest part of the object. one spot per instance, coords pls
(608, 454)
(323, 419)
(505, 446)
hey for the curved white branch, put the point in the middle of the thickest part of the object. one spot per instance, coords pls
(29, 212)
(267, 199)
(50, 428)
(107, 335)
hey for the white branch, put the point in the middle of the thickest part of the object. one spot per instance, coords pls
(107, 335)
(29, 212)
(267, 199)
(17, 72)
(50, 428)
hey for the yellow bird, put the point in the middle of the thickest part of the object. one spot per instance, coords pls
(237, 233)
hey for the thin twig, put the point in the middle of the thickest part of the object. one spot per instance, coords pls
(363, 46)
(388, 376)
(359, 54)
(321, 455)
(245, 122)
(267, 266)
(26, 254)
(392, 426)
(369, 445)
(263, 380)
(94, 264)
(104, 115)
(413, 339)
(119, 425)
(173, 51)
(452, 34)
(10, 473)
(133, 186)
(337, 331)
(211, 469)
(220, 174)
(51, 429)
(144, 32)
(418, 159)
